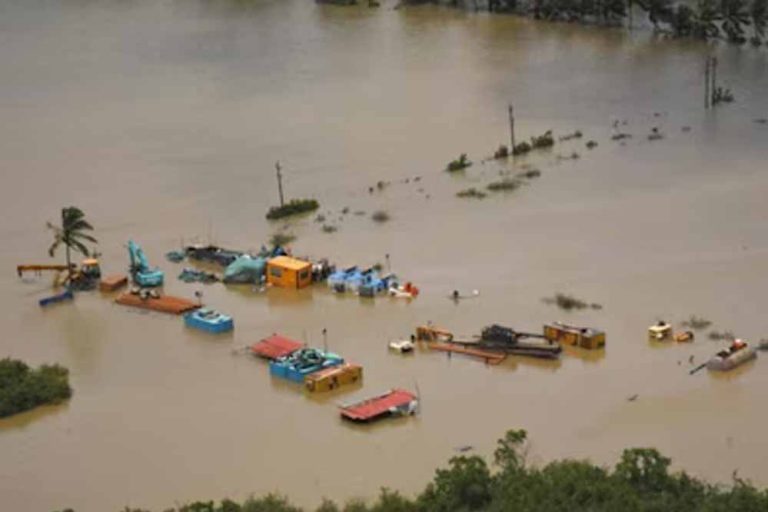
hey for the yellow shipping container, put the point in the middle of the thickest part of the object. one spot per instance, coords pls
(288, 272)
(332, 378)
(583, 337)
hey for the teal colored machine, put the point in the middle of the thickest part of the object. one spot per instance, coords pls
(143, 275)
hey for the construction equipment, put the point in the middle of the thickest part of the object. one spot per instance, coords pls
(141, 272)
(506, 339)
(431, 333)
(584, 337)
(83, 277)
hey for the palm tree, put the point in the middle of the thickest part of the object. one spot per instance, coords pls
(71, 233)
(758, 11)
(735, 16)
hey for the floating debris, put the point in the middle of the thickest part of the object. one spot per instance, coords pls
(761, 120)
(529, 174)
(591, 144)
(175, 256)
(655, 134)
(621, 136)
(686, 129)
(320, 218)
(281, 239)
(569, 302)
(328, 228)
(696, 323)
(575, 135)
(632, 398)
(471, 193)
(719, 336)
(502, 152)
(191, 275)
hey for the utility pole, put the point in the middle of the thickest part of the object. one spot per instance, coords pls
(511, 129)
(706, 83)
(325, 340)
(714, 79)
(279, 182)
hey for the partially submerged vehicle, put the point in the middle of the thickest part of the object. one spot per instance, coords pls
(406, 291)
(396, 402)
(209, 320)
(401, 346)
(246, 269)
(212, 254)
(507, 340)
(684, 336)
(303, 362)
(729, 358)
(142, 274)
(661, 331)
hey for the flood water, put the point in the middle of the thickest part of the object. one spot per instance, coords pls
(162, 120)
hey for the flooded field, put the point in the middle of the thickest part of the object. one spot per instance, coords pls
(163, 120)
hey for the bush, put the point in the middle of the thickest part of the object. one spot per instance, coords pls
(293, 207)
(328, 228)
(281, 239)
(530, 174)
(459, 164)
(543, 141)
(22, 388)
(380, 216)
(471, 192)
(505, 184)
(568, 302)
(502, 152)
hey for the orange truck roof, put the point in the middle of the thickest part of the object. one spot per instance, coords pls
(289, 263)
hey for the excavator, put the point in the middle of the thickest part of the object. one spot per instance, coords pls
(494, 339)
(143, 275)
(83, 277)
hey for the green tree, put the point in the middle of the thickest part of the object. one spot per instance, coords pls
(72, 233)
(758, 13)
(645, 469)
(705, 19)
(465, 485)
(659, 11)
(735, 16)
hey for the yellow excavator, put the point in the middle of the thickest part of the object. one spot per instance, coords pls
(84, 276)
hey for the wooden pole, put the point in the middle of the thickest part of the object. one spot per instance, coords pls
(706, 83)
(511, 128)
(714, 79)
(280, 182)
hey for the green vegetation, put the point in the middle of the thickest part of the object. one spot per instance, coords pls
(471, 192)
(641, 481)
(569, 136)
(293, 207)
(591, 144)
(506, 184)
(22, 388)
(529, 174)
(71, 234)
(728, 20)
(569, 302)
(546, 140)
(329, 228)
(380, 216)
(459, 164)
(502, 152)
(281, 239)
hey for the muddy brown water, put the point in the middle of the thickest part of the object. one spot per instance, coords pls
(163, 120)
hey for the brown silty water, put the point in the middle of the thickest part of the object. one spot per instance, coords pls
(163, 120)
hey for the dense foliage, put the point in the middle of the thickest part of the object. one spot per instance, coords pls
(293, 207)
(22, 388)
(736, 21)
(640, 482)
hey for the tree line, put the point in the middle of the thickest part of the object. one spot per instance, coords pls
(734, 21)
(640, 482)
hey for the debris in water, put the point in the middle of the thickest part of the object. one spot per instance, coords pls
(464, 448)
(621, 136)
(591, 144)
(575, 135)
(632, 398)
(472, 193)
(655, 134)
(696, 323)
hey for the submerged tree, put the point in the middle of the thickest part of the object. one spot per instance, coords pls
(72, 233)
(659, 11)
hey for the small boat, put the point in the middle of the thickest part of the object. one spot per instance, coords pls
(735, 355)
(402, 346)
(407, 291)
(54, 299)
(662, 331)
(396, 402)
(209, 320)
(684, 336)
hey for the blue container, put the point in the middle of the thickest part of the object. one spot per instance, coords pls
(209, 320)
(303, 362)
